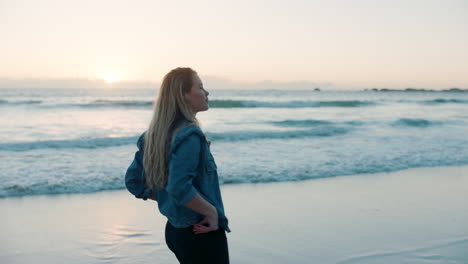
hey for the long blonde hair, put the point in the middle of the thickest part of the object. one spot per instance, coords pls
(169, 109)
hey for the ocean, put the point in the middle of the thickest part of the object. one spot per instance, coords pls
(82, 140)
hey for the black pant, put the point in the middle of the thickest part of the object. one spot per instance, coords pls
(190, 248)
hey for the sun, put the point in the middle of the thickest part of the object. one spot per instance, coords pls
(110, 77)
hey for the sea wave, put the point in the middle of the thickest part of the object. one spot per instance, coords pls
(231, 104)
(27, 102)
(325, 131)
(114, 180)
(116, 103)
(444, 101)
(415, 122)
(212, 103)
(287, 104)
(301, 123)
(311, 123)
(93, 143)
(419, 90)
(90, 143)
(241, 103)
(64, 187)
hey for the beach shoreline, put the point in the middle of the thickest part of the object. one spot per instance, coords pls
(411, 216)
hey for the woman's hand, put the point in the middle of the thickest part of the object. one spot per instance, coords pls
(151, 197)
(208, 224)
(203, 207)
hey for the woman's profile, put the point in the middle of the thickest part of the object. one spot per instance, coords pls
(174, 166)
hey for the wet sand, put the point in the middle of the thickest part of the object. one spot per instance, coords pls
(411, 216)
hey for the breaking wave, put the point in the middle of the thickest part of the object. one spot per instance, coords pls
(94, 143)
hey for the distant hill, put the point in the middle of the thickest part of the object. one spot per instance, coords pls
(416, 90)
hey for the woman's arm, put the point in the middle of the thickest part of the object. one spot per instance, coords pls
(183, 167)
(203, 207)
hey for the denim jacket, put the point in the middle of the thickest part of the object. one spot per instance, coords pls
(192, 170)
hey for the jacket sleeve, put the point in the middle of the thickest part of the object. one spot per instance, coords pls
(135, 178)
(183, 167)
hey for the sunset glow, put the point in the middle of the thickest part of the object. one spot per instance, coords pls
(110, 77)
(386, 44)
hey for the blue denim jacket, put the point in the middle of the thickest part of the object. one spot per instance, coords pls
(192, 170)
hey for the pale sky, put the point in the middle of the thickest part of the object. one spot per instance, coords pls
(350, 43)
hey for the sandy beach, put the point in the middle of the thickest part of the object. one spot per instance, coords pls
(411, 216)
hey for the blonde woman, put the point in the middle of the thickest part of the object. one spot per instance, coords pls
(174, 166)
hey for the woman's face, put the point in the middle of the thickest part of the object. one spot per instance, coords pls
(197, 97)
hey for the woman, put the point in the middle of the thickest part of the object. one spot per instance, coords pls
(174, 166)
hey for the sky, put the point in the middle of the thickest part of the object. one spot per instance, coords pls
(347, 44)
